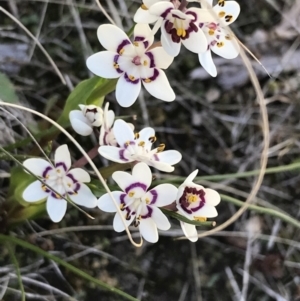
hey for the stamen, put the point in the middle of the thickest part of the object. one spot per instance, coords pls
(131, 194)
(121, 51)
(228, 18)
(116, 65)
(147, 201)
(136, 135)
(152, 139)
(220, 44)
(135, 43)
(211, 32)
(161, 147)
(228, 37)
(147, 80)
(200, 219)
(221, 14)
(141, 143)
(221, 3)
(131, 77)
(144, 7)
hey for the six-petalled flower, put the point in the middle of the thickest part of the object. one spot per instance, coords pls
(138, 205)
(61, 182)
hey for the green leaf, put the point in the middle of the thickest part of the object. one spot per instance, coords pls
(7, 90)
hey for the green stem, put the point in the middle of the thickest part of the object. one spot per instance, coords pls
(62, 262)
(18, 272)
(263, 210)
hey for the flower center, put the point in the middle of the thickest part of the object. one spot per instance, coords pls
(192, 199)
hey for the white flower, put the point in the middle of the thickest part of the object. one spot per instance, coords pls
(220, 41)
(138, 205)
(107, 136)
(137, 148)
(84, 120)
(143, 15)
(195, 203)
(133, 63)
(68, 183)
(180, 25)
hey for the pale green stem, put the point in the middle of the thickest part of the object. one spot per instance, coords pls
(263, 210)
(18, 273)
(62, 262)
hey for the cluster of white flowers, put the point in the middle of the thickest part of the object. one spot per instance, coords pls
(202, 29)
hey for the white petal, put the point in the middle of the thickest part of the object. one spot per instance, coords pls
(191, 177)
(196, 42)
(37, 166)
(112, 153)
(102, 64)
(80, 175)
(143, 16)
(189, 231)
(146, 133)
(230, 8)
(84, 197)
(123, 132)
(80, 123)
(169, 46)
(160, 219)
(142, 173)
(105, 203)
(123, 179)
(110, 118)
(148, 230)
(212, 197)
(207, 63)
(161, 7)
(206, 211)
(56, 208)
(143, 31)
(161, 58)
(161, 166)
(62, 155)
(34, 192)
(206, 3)
(119, 224)
(170, 156)
(229, 50)
(162, 195)
(160, 87)
(110, 36)
(127, 92)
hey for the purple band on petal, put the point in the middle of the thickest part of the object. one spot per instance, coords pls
(122, 45)
(151, 57)
(72, 178)
(155, 156)
(116, 65)
(121, 154)
(75, 190)
(128, 143)
(149, 213)
(45, 172)
(53, 194)
(165, 13)
(153, 77)
(177, 17)
(135, 81)
(62, 164)
(135, 185)
(154, 196)
(139, 39)
(146, 44)
(192, 14)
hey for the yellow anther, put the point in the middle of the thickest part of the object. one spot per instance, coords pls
(211, 32)
(131, 77)
(221, 3)
(228, 18)
(44, 187)
(181, 32)
(228, 37)
(121, 51)
(152, 139)
(122, 206)
(144, 7)
(200, 219)
(147, 80)
(221, 14)
(141, 143)
(220, 44)
(57, 196)
(116, 66)
(145, 63)
(58, 170)
(136, 136)
(69, 185)
(147, 201)
(131, 194)
(135, 43)
(161, 147)
(192, 198)
(127, 143)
